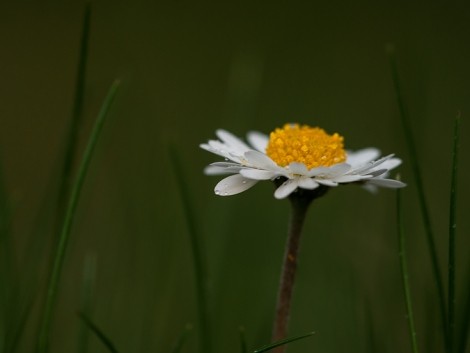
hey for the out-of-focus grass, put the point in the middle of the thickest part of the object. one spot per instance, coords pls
(63, 240)
(405, 274)
(422, 197)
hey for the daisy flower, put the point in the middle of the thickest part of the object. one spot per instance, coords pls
(296, 156)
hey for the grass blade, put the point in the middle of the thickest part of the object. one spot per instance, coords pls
(404, 274)
(88, 284)
(53, 283)
(6, 267)
(282, 342)
(75, 122)
(452, 235)
(405, 121)
(99, 333)
(465, 325)
(197, 252)
(181, 339)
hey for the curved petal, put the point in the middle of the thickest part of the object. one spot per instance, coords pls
(286, 189)
(327, 182)
(371, 165)
(297, 168)
(387, 183)
(260, 160)
(233, 184)
(330, 172)
(391, 163)
(232, 141)
(350, 178)
(258, 140)
(217, 170)
(308, 183)
(257, 174)
(358, 158)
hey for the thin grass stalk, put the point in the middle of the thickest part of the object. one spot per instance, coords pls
(88, 284)
(195, 239)
(75, 121)
(405, 275)
(410, 142)
(464, 331)
(452, 235)
(59, 256)
(99, 333)
(6, 267)
(282, 343)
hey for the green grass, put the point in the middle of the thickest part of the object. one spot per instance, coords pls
(59, 255)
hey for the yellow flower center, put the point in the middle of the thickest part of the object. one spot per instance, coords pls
(311, 146)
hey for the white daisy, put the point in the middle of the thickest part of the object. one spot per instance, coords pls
(305, 157)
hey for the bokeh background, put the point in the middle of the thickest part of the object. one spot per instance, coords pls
(186, 69)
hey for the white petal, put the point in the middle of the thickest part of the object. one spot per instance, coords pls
(257, 174)
(308, 183)
(233, 184)
(297, 168)
(232, 141)
(286, 189)
(226, 164)
(358, 158)
(386, 183)
(258, 140)
(326, 182)
(350, 178)
(391, 163)
(216, 170)
(260, 160)
(330, 172)
(371, 165)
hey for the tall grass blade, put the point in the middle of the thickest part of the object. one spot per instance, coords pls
(282, 342)
(405, 121)
(88, 283)
(6, 267)
(197, 253)
(53, 283)
(452, 235)
(99, 333)
(182, 339)
(75, 122)
(404, 274)
(464, 331)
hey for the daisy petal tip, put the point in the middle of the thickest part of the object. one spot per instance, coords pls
(232, 185)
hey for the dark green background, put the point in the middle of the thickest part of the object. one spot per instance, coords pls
(188, 68)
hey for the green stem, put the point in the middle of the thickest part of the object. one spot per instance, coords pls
(404, 274)
(405, 120)
(452, 235)
(53, 284)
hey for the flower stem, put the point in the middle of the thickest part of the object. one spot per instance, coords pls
(299, 206)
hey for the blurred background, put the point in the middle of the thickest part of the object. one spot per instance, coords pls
(186, 69)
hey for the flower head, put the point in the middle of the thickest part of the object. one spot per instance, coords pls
(304, 157)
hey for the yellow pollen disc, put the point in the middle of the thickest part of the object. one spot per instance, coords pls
(311, 146)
